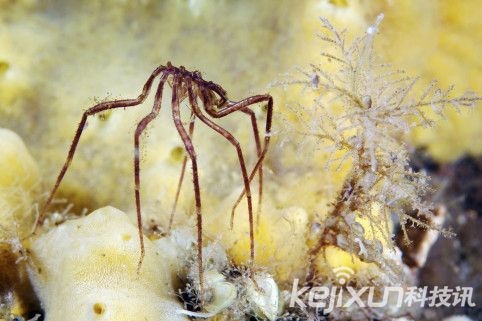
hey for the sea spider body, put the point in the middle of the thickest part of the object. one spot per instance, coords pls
(191, 85)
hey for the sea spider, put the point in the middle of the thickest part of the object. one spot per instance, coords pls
(216, 104)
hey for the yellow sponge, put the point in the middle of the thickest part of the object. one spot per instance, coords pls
(280, 244)
(86, 269)
(19, 181)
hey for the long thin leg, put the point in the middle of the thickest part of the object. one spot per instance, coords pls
(242, 105)
(235, 143)
(258, 165)
(140, 128)
(254, 125)
(92, 111)
(197, 193)
(181, 178)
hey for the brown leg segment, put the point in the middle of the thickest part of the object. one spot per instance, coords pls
(251, 176)
(181, 178)
(254, 125)
(197, 194)
(92, 111)
(140, 128)
(235, 143)
(242, 105)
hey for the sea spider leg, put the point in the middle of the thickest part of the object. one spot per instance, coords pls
(235, 143)
(140, 128)
(254, 125)
(197, 194)
(92, 111)
(242, 105)
(181, 178)
(258, 165)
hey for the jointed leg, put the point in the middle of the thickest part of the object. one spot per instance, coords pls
(235, 143)
(140, 128)
(242, 105)
(254, 125)
(197, 193)
(92, 111)
(181, 178)
(258, 165)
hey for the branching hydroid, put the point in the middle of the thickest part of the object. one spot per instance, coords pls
(361, 109)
